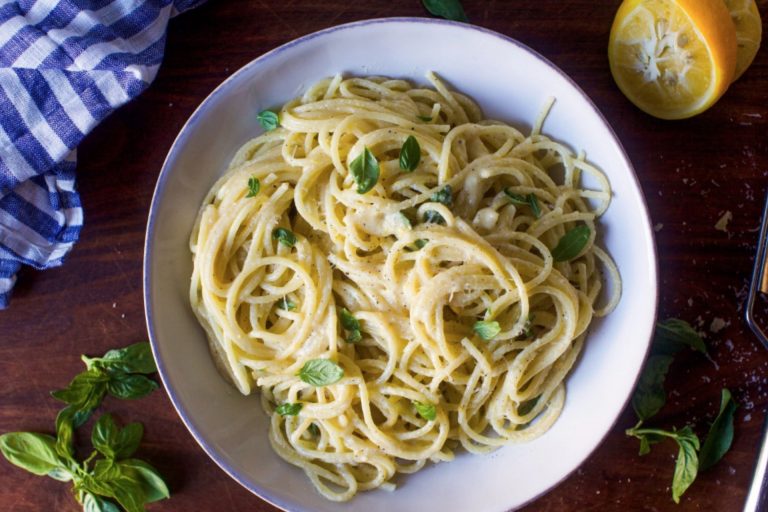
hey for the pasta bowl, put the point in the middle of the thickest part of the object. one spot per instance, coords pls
(511, 83)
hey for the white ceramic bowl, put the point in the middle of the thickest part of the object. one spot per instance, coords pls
(511, 82)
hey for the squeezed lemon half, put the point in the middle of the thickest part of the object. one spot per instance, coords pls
(749, 32)
(673, 58)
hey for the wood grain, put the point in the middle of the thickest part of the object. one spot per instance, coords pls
(691, 172)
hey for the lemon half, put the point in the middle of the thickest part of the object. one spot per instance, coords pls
(673, 58)
(749, 32)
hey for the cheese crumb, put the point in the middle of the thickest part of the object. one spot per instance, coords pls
(722, 224)
(718, 324)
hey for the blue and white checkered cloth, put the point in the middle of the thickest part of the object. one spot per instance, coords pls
(64, 66)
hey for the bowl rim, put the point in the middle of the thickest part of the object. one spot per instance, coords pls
(179, 141)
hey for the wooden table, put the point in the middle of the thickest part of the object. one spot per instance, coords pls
(691, 172)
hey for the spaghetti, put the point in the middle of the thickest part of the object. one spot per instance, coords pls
(390, 311)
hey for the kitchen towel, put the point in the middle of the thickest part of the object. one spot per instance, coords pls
(64, 66)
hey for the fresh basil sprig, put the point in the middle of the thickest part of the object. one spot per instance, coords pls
(284, 236)
(572, 243)
(410, 154)
(254, 185)
(109, 476)
(365, 171)
(448, 9)
(426, 410)
(119, 373)
(321, 372)
(487, 329)
(529, 200)
(687, 465)
(671, 336)
(268, 120)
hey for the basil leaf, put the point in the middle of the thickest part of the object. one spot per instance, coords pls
(128, 440)
(529, 200)
(286, 304)
(129, 387)
(33, 452)
(426, 119)
(487, 330)
(720, 435)
(65, 432)
(114, 442)
(93, 503)
(533, 201)
(74, 415)
(254, 185)
(572, 243)
(425, 410)
(80, 412)
(314, 429)
(527, 406)
(152, 484)
(687, 465)
(106, 470)
(645, 446)
(104, 435)
(129, 493)
(268, 120)
(648, 440)
(649, 396)
(284, 236)
(348, 321)
(60, 474)
(405, 220)
(515, 198)
(80, 387)
(365, 170)
(288, 409)
(433, 217)
(443, 196)
(527, 329)
(89, 483)
(410, 154)
(448, 9)
(352, 325)
(320, 372)
(354, 336)
(420, 243)
(672, 335)
(136, 358)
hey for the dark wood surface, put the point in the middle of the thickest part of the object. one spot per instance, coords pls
(691, 172)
